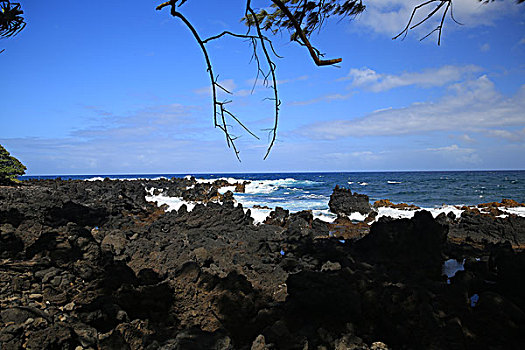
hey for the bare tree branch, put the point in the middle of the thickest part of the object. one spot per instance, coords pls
(219, 109)
(439, 28)
(272, 67)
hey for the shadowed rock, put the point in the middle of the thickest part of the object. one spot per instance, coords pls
(343, 201)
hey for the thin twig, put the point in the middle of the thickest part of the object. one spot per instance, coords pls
(439, 28)
(272, 67)
(219, 109)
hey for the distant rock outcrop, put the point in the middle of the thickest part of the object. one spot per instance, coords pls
(388, 204)
(343, 201)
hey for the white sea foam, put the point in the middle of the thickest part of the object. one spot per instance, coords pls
(173, 203)
(520, 211)
(225, 189)
(397, 213)
(324, 214)
(445, 209)
(393, 182)
(312, 196)
(404, 213)
(350, 182)
(356, 216)
(394, 213)
(97, 178)
(363, 183)
(229, 179)
(269, 186)
(258, 215)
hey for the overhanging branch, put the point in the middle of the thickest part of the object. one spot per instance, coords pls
(314, 53)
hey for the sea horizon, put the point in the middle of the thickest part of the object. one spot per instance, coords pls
(296, 191)
(271, 172)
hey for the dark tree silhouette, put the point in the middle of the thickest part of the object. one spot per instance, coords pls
(11, 20)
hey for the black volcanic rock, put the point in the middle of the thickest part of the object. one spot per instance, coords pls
(480, 228)
(418, 241)
(278, 217)
(343, 201)
(92, 264)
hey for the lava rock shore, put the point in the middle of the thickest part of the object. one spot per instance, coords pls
(93, 265)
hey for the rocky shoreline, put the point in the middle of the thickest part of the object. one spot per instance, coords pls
(93, 265)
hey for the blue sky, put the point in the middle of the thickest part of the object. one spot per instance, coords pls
(103, 88)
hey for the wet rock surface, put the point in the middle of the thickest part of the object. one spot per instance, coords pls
(93, 265)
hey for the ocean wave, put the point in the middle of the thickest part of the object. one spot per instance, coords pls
(173, 203)
(269, 186)
(225, 189)
(393, 182)
(356, 216)
(363, 183)
(324, 215)
(209, 181)
(99, 178)
(312, 196)
(258, 215)
(520, 211)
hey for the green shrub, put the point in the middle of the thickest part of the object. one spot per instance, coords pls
(10, 167)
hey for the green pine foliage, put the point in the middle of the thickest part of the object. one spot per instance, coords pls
(10, 168)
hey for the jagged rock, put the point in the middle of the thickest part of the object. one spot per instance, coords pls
(277, 217)
(482, 229)
(410, 242)
(344, 228)
(93, 265)
(241, 187)
(343, 201)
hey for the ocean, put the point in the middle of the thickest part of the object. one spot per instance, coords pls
(311, 191)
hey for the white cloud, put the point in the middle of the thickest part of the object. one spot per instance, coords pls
(150, 139)
(510, 135)
(451, 148)
(391, 16)
(324, 98)
(466, 138)
(363, 156)
(471, 106)
(462, 155)
(371, 80)
(485, 47)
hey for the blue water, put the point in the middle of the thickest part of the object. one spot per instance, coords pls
(298, 191)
